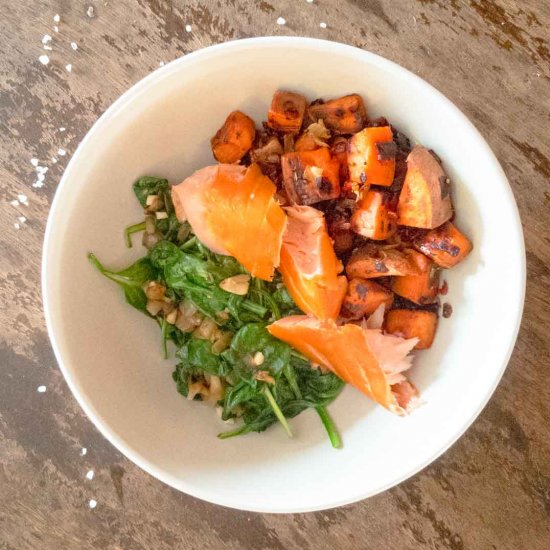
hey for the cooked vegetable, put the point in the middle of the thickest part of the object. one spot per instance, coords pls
(345, 115)
(409, 323)
(314, 137)
(342, 240)
(373, 260)
(373, 217)
(232, 210)
(371, 156)
(366, 358)
(422, 288)
(286, 113)
(233, 140)
(339, 151)
(310, 176)
(309, 266)
(362, 298)
(425, 199)
(446, 245)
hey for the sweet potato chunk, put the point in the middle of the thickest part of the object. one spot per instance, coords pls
(363, 297)
(410, 324)
(342, 241)
(372, 261)
(339, 150)
(310, 176)
(425, 199)
(446, 245)
(306, 142)
(371, 156)
(345, 115)
(287, 110)
(373, 217)
(422, 288)
(233, 140)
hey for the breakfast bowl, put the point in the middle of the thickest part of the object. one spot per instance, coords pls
(109, 353)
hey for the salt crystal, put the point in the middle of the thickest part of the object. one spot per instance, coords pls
(161, 64)
(281, 21)
(323, 25)
(41, 389)
(83, 451)
(41, 169)
(23, 199)
(92, 504)
(90, 11)
(16, 225)
(56, 28)
(74, 45)
(188, 28)
(44, 59)
(57, 18)
(309, 1)
(46, 38)
(68, 67)
(62, 128)
(49, 48)
(61, 152)
(34, 162)
(40, 177)
(14, 202)
(22, 219)
(90, 475)
(54, 160)
(38, 184)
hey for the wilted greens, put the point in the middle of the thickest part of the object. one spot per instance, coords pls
(226, 357)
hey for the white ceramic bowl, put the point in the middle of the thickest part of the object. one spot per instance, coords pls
(109, 353)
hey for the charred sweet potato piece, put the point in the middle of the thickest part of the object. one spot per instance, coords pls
(412, 323)
(372, 261)
(310, 176)
(446, 245)
(425, 199)
(422, 288)
(342, 240)
(363, 297)
(233, 140)
(345, 115)
(339, 150)
(373, 217)
(287, 110)
(371, 156)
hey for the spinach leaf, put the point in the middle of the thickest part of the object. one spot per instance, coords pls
(198, 355)
(131, 279)
(149, 185)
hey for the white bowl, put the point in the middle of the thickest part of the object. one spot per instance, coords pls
(109, 353)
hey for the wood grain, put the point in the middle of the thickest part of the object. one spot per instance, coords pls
(490, 490)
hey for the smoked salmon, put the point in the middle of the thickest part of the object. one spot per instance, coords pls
(309, 265)
(369, 360)
(233, 211)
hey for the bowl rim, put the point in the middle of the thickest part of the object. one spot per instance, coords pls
(174, 66)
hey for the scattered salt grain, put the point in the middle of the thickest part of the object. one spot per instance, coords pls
(16, 225)
(38, 184)
(57, 18)
(44, 59)
(34, 162)
(22, 219)
(23, 199)
(46, 38)
(61, 152)
(92, 504)
(161, 64)
(74, 45)
(14, 202)
(40, 177)
(90, 475)
(323, 25)
(56, 28)
(41, 389)
(281, 21)
(54, 160)
(41, 169)
(68, 67)
(309, 1)
(49, 48)
(83, 451)
(90, 11)
(62, 128)
(188, 28)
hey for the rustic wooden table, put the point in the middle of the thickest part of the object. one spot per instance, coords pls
(491, 490)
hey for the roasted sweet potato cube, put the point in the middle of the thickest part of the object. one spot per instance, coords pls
(306, 142)
(287, 110)
(345, 115)
(363, 297)
(422, 288)
(233, 140)
(339, 150)
(425, 199)
(372, 261)
(446, 245)
(310, 176)
(371, 156)
(373, 217)
(412, 323)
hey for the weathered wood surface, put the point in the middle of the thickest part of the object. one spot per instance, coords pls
(491, 490)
